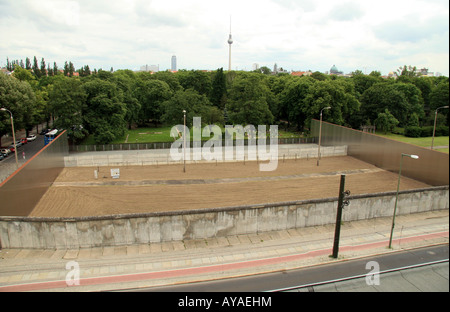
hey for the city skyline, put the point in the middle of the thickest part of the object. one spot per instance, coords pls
(296, 35)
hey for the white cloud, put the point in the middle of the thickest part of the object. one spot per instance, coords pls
(296, 34)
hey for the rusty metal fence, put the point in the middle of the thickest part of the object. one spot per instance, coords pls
(23, 189)
(432, 167)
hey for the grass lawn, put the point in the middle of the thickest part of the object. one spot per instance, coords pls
(162, 134)
(423, 142)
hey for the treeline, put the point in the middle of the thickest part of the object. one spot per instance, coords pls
(104, 103)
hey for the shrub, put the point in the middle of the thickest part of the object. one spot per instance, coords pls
(442, 131)
(413, 132)
(427, 131)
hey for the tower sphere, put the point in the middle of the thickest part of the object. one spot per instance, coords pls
(230, 40)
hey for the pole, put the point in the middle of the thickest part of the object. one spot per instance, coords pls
(320, 133)
(396, 201)
(320, 138)
(14, 138)
(184, 144)
(337, 231)
(434, 128)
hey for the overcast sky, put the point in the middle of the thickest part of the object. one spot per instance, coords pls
(296, 34)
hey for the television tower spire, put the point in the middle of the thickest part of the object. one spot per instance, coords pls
(230, 42)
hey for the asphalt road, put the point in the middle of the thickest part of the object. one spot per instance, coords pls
(8, 165)
(317, 278)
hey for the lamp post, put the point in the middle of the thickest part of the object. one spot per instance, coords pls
(184, 142)
(320, 133)
(434, 128)
(396, 197)
(13, 133)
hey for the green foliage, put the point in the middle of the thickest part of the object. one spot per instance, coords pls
(248, 101)
(103, 104)
(195, 104)
(386, 121)
(67, 102)
(427, 131)
(18, 97)
(105, 111)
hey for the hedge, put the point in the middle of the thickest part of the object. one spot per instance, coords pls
(417, 132)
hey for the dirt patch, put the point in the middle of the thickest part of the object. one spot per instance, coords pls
(142, 189)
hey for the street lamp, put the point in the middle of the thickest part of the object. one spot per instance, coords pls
(396, 197)
(320, 133)
(14, 134)
(434, 128)
(184, 142)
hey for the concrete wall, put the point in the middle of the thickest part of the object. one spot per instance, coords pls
(162, 156)
(26, 232)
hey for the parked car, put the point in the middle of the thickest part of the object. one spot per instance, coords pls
(18, 144)
(1, 157)
(12, 149)
(5, 151)
(31, 138)
(23, 140)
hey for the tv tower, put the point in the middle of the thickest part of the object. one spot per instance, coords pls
(230, 42)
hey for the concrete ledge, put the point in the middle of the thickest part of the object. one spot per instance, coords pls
(116, 230)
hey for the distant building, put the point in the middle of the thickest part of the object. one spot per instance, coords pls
(424, 72)
(335, 71)
(6, 72)
(255, 66)
(301, 73)
(150, 68)
(173, 66)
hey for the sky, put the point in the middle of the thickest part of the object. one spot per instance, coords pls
(300, 35)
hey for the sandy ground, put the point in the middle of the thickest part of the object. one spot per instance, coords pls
(142, 189)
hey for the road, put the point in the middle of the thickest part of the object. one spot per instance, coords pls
(8, 165)
(320, 278)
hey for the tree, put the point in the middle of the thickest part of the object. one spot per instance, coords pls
(27, 64)
(406, 71)
(71, 69)
(218, 89)
(195, 104)
(67, 103)
(18, 97)
(440, 97)
(150, 95)
(332, 94)
(36, 69)
(248, 101)
(292, 101)
(386, 121)
(413, 97)
(66, 69)
(104, 113)
(24, 75)
(382, 96)
(195, 79)
(43, 69)
(55, 69)
(363, 82)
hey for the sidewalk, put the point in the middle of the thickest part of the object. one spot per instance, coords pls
(108, 268)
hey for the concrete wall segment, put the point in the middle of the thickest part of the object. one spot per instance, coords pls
(27, 232)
